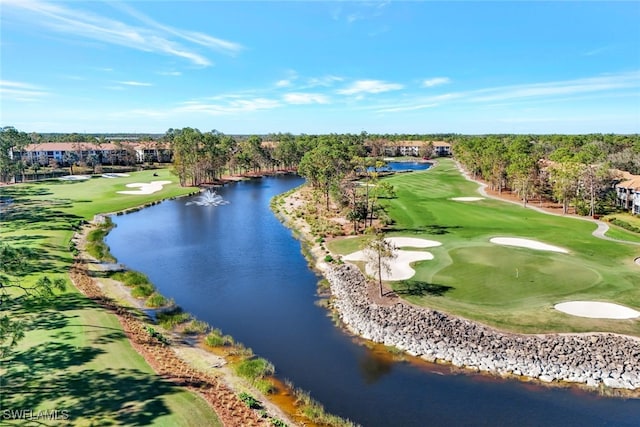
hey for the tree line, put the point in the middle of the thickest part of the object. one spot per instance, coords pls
(575, 170)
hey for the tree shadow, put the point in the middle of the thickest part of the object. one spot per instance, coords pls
(57, 371)
(373, 366)
(417, 288)
(428, 229)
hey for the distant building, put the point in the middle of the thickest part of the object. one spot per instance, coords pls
(65, 153)
(628, 193)
(415, 148)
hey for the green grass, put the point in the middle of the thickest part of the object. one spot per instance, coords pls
(511, 288)
(75, 356)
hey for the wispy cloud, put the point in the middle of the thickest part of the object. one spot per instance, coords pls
(155, 37)
(553, 89)
(170, 73)
(235, 106)
(370, 86)
(435, 81)
(201, 39)
(134, 83)
(324, 81)
(360, 11)
(407, 108)
(597, 51)
(305, 98)
(19, 91)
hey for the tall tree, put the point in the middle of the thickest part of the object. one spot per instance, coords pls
(380, 253)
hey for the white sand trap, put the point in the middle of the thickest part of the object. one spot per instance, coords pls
(145, 188)
(412, 242)
(114, 175)
(597, 310)
(527, 243)
(467, 199)
(74, 178)
(400, 266)
(637, 260)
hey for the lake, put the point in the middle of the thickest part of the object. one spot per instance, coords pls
(238, 268)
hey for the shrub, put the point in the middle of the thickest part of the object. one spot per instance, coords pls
(156, 300)
(196, 327)
(143, 291)
(254, 368)
(171, 319)
(328, 258)
(625, 225)
(131, 278)
(250, 401)
(157, 335)
(216, 339)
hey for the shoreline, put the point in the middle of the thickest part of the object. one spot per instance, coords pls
(357, 319)
(287, 405)
(183, 362)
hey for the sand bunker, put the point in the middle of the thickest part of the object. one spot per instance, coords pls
(74, 178)
(114, 175)
(527, 243)
(413, 242)
(637, 260)
(467, 199)
(597, 310)
(400, 266)
(145, 188)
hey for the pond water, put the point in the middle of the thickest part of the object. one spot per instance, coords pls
(238, 268)
(405, 166)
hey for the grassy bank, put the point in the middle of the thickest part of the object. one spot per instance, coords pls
(507, 287)
(75, 356)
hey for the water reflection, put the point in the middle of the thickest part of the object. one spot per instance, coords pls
(374, 366)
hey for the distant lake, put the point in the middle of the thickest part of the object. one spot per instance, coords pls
(238, 268)
(405, 166)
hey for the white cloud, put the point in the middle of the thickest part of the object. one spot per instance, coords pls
(134, 83)
(305, 98)
(370, 86)
(19, 91)
(435, 81)
(283, 83)
(235, 106)
(155, 37)
(552, 89)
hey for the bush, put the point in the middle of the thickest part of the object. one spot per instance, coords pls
(156, 300)
(250, 401)
(171, 319)
(143, 291)
(157, 335)
(216, 339)
(624, 224)
(255, 368)
(196, 327)
(328, 258)
(131, 278)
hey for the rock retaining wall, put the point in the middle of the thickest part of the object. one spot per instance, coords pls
(591, 359)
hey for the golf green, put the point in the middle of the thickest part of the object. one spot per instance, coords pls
(514, 288)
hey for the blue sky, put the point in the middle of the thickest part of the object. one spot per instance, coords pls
(320, 67)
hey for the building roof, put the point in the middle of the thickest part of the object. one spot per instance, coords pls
(417, 143)
(633, 183)
(74, 146)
